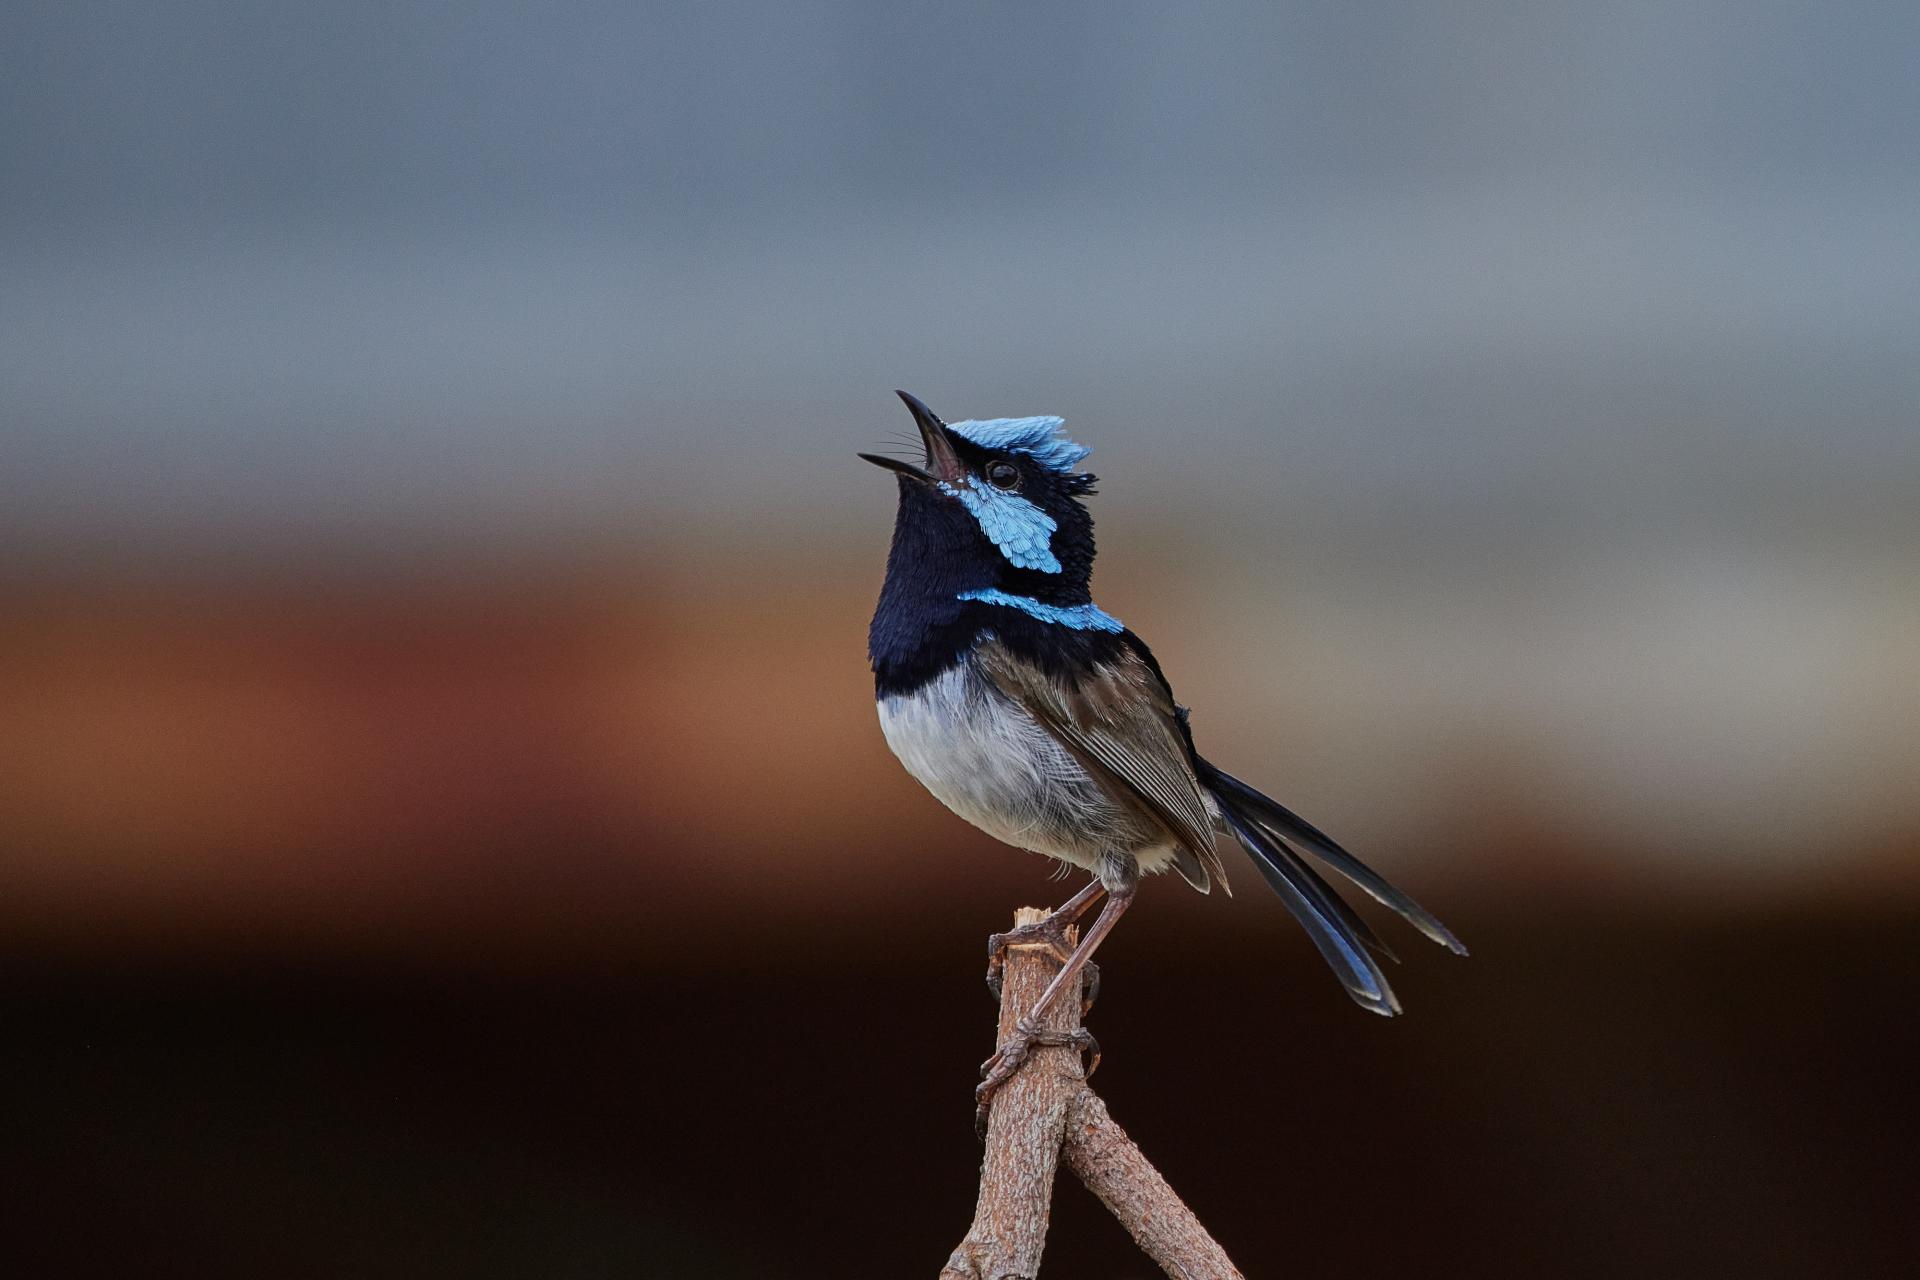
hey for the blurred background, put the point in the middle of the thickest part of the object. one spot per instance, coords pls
(443, 825)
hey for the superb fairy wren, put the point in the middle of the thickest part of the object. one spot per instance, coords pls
(1041, 719)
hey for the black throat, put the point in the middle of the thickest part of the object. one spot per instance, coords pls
(921, 627)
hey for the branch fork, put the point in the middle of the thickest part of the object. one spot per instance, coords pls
(1045, 1113)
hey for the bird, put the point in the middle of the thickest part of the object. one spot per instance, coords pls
(1041, 719)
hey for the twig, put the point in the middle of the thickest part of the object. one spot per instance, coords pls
(1046, 1111)
(1024, 1128)
(1105, 1158)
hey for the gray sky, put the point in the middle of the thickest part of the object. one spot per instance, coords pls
(359, 266)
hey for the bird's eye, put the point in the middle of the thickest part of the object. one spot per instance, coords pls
(1003, 475)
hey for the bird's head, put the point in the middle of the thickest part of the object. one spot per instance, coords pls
(995, 504)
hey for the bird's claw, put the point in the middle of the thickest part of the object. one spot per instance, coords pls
(1011, 1056)
(1047, 933)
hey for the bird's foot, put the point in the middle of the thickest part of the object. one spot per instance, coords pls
(1089, 992)
(1012, 1055)
(1051, 935)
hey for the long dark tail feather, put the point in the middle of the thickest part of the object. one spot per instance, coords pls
(1282, 822)
(1308, 898)
(1325, 895)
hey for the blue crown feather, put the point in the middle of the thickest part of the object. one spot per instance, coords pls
(1042, 439)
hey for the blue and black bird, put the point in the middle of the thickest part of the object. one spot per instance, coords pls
(1041, 719)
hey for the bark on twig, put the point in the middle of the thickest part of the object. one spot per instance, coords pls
(1047, 1112)
(1023, 1130)
(1105, 1158)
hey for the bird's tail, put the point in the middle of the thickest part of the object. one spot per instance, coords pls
(1271, 833)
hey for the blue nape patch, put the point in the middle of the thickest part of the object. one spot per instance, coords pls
(1081, 617)
(1022, 531)
(1041, 439)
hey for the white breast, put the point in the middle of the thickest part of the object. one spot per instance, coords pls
(986, 758)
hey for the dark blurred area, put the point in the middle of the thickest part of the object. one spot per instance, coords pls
(443, 825)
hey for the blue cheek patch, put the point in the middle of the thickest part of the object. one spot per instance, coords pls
(1080, 617)
(1022, 531)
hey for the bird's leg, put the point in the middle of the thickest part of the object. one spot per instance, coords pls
(1007, 1060)
(1050, 932)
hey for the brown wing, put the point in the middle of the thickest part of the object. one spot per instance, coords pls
(1118, 721)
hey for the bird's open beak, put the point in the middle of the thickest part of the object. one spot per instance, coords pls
(942, 462)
